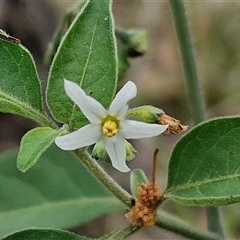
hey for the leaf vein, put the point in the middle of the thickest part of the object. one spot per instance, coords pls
(198, 184)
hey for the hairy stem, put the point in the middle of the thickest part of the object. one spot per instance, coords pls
(194, 91)
(103, 177)
(214, 221)
(188, 60)
(173, 224)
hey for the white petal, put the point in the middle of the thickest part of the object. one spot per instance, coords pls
(122, 113)
(83, 137)
(91, 108)
(117, 153)
(134, 129)
(118, 105)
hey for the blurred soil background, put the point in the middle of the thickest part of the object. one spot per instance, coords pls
(160, 80)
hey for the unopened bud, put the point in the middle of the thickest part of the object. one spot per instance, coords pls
(150, 114)
(131, 152)
(137, 43)
(134, 40)
(147, 113)
(99, 152)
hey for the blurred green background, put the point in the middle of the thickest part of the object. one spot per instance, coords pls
(159, 77)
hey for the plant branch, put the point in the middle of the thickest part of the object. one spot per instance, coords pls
(214, 221)
(188, 60)
(194, 91)
(103, 177)
(176, 225)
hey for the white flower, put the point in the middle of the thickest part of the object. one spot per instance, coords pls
(110, 125)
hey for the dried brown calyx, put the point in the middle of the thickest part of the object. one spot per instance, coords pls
(174, 125)
(143, 212)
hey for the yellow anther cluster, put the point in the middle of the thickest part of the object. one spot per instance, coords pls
(110, 128)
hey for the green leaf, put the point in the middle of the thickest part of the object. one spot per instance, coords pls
(57, 193)
(204, 168)
(43, 234)
(87, 56)
(34, 143)
(20, 91)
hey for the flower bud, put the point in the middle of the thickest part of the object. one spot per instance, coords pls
(99, 152)
(150, 114)
(131, 43)
(147, 113)
(137, 44)
(134, 40)
(131, 152)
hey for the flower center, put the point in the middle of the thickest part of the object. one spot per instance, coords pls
(110, 126)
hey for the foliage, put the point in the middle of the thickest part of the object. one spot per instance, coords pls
(204, 165)
(61, 190)
(54, 193)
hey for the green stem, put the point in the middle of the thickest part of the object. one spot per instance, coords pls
(103, 177)
(188, 60)
(194, 90)
(173, 224)
(44, 121)
(213, 225)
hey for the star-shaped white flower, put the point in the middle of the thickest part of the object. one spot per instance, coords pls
(110, 125)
